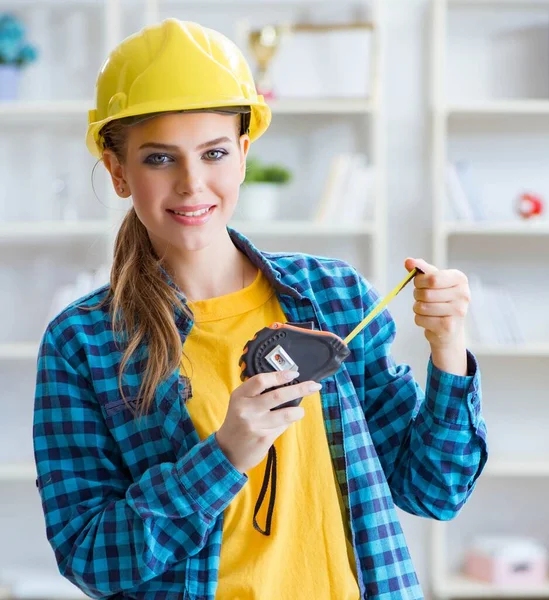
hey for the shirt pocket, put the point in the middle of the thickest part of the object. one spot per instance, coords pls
(116, 406)
(139, 437)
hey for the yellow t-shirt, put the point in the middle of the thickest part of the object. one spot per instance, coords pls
(308, 553)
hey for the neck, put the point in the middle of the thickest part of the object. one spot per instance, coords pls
(212, 271)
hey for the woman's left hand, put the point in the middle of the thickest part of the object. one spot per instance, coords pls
(442, 300)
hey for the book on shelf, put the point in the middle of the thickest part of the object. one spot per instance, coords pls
(462, 193)
(494, 316)
(348, 190)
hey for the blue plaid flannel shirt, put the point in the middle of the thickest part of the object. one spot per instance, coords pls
(134, 508)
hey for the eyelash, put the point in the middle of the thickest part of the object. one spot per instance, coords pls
(149, 160)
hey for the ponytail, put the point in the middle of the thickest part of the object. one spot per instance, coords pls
(141, 301)
(142, 305)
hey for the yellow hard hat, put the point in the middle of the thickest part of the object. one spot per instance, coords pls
(173, 65)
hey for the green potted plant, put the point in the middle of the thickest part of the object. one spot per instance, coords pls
(260, 193)
(14, 55)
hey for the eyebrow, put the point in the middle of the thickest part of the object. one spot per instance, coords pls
(173, 148)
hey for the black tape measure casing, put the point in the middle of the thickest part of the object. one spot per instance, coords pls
(280, 346)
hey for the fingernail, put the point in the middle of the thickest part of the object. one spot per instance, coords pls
(314, 387)
(291, 375)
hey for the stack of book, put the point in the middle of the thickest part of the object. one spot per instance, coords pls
(348, 191)
(463, 197)
(494, 316)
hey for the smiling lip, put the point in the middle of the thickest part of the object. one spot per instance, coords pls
(197, 220)
(193, 208)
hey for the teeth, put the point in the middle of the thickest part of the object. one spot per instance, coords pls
(196, 213)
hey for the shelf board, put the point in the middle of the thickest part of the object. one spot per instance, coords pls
(543, 4)
(538, 350)
(461, 587)
(41, 3)
(302, 228)
(31, 232)
(534, 227)
(19, 350)
(40, 110)
(79, 108)
(21, 471)
(517, 468)
(251, 3)
(321, 106)
(498, 107)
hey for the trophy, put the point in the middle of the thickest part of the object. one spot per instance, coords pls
(264, 43)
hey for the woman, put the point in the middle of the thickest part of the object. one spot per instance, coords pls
(150, 451)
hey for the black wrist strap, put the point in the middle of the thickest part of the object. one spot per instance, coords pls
(270, 472)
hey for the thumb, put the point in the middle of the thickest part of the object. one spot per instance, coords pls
(412, 263)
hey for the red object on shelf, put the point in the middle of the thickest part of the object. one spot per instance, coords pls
(529, 205)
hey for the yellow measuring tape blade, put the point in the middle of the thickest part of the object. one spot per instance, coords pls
(379, 307)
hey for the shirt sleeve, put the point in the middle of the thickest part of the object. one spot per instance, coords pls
(432, 445)
(110, 533)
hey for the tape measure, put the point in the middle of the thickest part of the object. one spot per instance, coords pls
(315, 354)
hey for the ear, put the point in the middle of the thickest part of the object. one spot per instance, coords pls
(116, 171)
(244, 147)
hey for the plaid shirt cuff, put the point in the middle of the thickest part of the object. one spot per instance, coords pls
(210, 477)
(454, 398)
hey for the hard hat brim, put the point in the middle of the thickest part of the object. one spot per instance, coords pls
(260, 116)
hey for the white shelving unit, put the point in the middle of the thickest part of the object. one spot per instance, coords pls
(447, 582)
(114, 20)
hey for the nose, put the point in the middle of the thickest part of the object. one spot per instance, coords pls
(190, 181)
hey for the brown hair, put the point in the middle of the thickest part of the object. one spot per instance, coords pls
(141, 300)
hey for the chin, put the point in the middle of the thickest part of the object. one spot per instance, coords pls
(196, 238)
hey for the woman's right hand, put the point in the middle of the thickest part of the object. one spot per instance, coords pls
(250, 426)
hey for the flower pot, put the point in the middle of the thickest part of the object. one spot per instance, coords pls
(9, 82)
(258, 201)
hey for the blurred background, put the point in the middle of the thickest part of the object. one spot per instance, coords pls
(400, 128)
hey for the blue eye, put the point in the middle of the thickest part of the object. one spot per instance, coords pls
(214, 152)
(151, 160)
